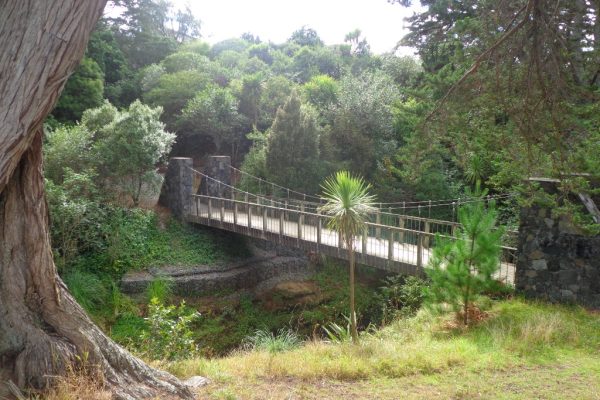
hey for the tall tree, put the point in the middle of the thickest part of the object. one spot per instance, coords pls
(293, 147)
(42, 328)
(515, 82)
(348, 203)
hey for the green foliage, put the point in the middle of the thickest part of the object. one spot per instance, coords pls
(184, 61)
(135, 240)
(83, 90)
(292, 156)
(463, 267)
(88, 290)
(283, 340)
(255, 162)
(274, 93)
(76, 219)
(213, 112)
(306, 36)
(337, 333)
(400, 296)
(127, 328)
(362, 123)
(128, 147)
(321, 91)
(169, 335)
(173, 91)
(348, 203)
(160, 289)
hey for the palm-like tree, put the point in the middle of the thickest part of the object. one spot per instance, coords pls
(348, 203)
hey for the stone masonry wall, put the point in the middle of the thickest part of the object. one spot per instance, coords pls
(217, 167)
(556, 262)
(176, 191)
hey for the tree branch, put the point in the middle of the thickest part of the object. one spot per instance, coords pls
(475, 66)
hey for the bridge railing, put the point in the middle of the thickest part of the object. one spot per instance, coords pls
(402, 248)
(383, 216)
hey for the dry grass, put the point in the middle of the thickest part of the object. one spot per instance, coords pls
(77, 385)
(522, 350)
(516, 333)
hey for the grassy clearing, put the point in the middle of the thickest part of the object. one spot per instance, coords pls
(533, 347)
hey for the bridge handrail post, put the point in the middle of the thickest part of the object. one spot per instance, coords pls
(222, 211)
(319, 227)
(300, 222)
(209, 210)
(365, 235)
(264, 221)
(249, 218)
(391, 244)
(401, 226)
(197, 208)
(281, 225)
(426, 238)
(419, 250)
(378, 222)
(235, 212)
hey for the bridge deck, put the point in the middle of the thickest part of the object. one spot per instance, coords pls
(407, 253)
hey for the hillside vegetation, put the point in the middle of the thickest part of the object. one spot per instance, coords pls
(519, 350)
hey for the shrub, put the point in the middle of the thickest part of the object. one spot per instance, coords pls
(400, 296)
(283, 340)
(338, 333)
(169, 335)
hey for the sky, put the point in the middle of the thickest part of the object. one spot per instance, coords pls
(381, 23)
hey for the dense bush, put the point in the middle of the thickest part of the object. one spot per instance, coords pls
(400, 296)
(169, 335)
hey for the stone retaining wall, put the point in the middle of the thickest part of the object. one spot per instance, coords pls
(207, 280)
(556, 262)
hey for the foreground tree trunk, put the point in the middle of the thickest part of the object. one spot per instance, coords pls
(353, 328)
(42, 328)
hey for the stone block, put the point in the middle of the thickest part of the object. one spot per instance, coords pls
(536, 255)
(568, 277)
(539, 265)
(567, 295)
(531, 274)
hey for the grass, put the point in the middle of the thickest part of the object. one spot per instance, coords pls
(283, 340)
(523, 350)
(160, 289)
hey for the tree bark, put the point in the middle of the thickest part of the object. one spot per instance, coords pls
(42, 328)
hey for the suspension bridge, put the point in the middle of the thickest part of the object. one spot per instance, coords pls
(393, 240)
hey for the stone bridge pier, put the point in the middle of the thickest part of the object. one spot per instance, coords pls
(217, 167)
(176, 191)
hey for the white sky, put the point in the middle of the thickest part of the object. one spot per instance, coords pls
(381, 23)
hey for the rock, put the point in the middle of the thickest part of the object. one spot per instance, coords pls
(196, 382)
(536, 255)
(567, 295)
(539, 265)
(574, 288)
(568, 277)
(292, 290)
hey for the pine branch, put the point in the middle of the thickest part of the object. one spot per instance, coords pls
(475, 66)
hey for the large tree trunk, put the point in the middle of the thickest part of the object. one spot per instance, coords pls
(42, 328)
